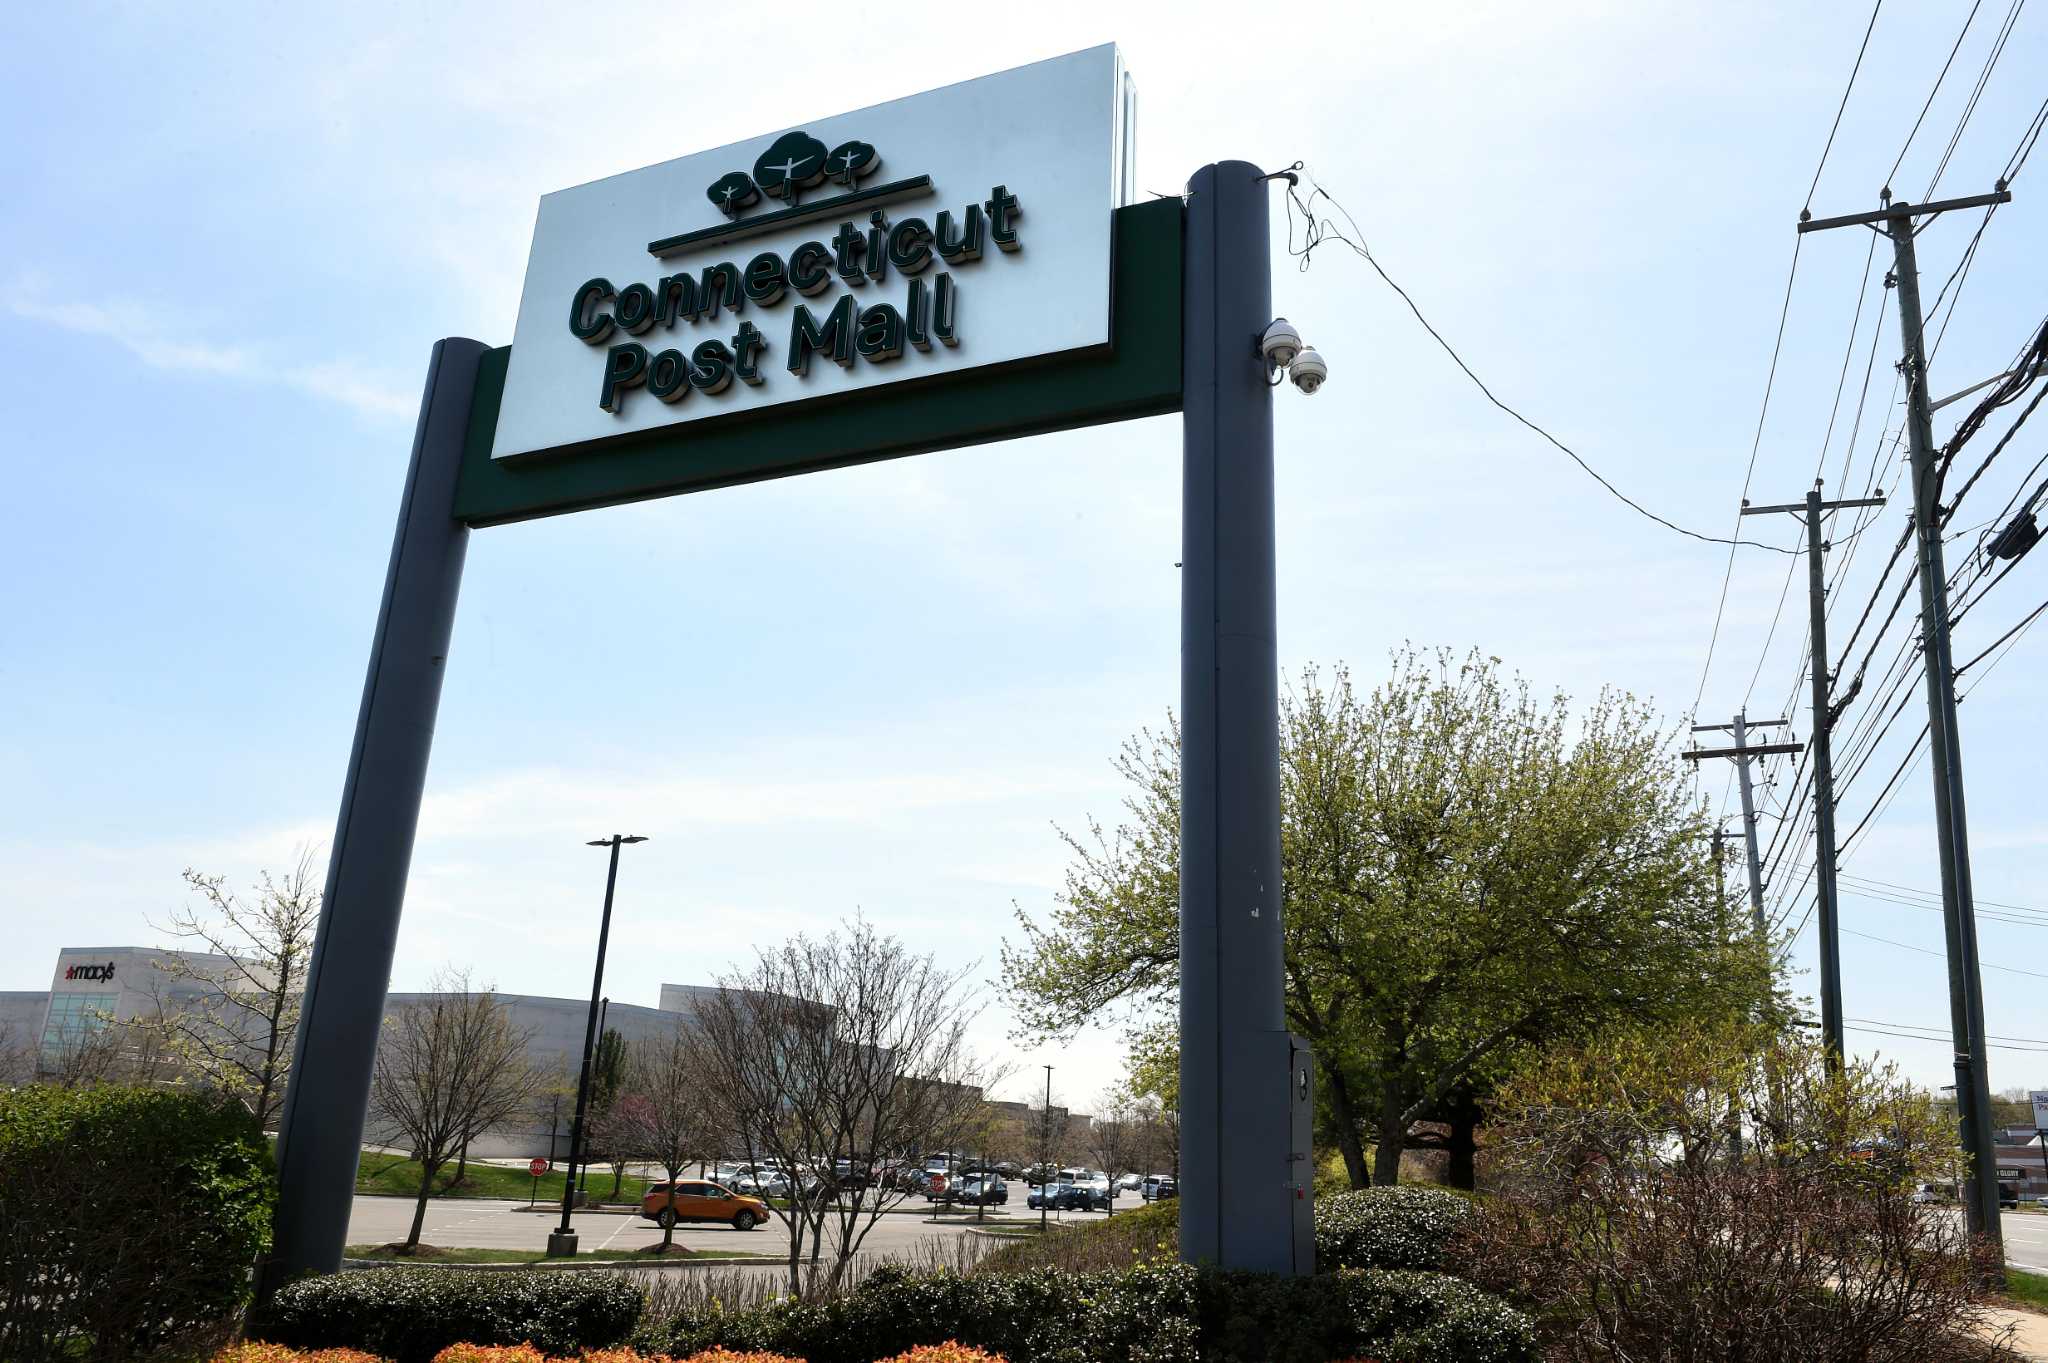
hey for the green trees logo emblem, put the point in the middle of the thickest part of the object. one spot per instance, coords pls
(794, 162)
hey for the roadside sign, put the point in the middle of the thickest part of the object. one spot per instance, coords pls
(537, 1167)
(2039, 1098)
(960, 229)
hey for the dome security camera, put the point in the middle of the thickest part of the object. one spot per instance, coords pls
(1309, 370)
(1280, 344)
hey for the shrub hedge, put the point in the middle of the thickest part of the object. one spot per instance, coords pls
(411, 1314)
(1153, 1314)
(1399, 1227)
(129, 1221)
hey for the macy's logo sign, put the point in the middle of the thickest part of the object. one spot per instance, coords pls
(90, 972)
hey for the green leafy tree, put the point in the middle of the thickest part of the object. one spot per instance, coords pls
(1467, 872)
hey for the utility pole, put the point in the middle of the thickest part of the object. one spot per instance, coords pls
(1742, 752)
(1959, 917)
(1823, 764)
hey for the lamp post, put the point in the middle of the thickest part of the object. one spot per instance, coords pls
(1045, 1153)
(583, 1175)
(562, 1241)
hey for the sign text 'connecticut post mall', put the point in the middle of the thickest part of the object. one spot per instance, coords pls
(862, 256)
(961, 229)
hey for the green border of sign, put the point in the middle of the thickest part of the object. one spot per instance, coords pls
(1139, 376)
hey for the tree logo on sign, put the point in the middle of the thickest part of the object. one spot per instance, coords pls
(794, 162)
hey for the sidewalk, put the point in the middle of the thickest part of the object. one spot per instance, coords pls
(2030, 1330)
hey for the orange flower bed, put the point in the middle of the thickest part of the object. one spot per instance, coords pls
(950, 1352)
(724, 1355)
(278, 1353)
(491, 1353)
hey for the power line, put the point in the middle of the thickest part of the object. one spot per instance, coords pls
(2025, 148)
(1321, 230)
(2012, 16)
(2020, 628)
(1907, 946)
(1836, 126)
(1915, 132)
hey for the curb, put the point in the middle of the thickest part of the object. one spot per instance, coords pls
(564, 1266)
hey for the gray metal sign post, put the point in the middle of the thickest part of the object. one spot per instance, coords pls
(1246, 1086)
(320, 1136)
(1240, 1191)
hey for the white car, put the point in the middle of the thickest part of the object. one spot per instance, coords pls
(1130, 1183)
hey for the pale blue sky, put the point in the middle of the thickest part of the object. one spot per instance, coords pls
(230, 235)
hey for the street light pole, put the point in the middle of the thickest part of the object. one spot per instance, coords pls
(562, 1241)
(604, 1006)
(1045, 1150)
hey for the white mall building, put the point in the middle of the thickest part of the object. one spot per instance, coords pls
(92, 988)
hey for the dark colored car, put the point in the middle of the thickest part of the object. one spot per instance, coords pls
(1047, 1195)
(978, 1192)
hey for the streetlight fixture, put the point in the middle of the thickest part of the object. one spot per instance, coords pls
(562, 1241)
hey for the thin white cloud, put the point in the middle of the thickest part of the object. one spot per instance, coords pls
(137, 333)
(348, 384)
(147, 337)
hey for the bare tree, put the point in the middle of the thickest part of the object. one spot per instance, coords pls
(1049, 1123)
(831, 1054)
(665, 1113)
(607, 1139)
(1158, 1136)
(450, 1066)
(17, 1056)
(236, 1013)
(1113, 1138)
(110, 1051)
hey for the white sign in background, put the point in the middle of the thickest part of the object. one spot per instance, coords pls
(2040, 1100)
(1054, 134)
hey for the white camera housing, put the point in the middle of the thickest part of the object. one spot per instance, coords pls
(1280, 344)
(1309, 370)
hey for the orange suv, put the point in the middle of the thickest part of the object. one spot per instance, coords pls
(667, 1203)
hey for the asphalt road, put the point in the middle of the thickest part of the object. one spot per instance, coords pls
(487, 1223)
(2026, 1240)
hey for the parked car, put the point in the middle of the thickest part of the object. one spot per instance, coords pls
(2009, 1195)
(667, 1203)
(1070, 1197)
(976, 1192)
(1158, 1186)
(763, 1182)
(1041, 1173)
(1130, 1183)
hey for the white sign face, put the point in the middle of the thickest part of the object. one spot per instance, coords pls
(953, 230)
(2040, 1101)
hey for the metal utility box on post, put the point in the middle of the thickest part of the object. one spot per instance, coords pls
(1302, 1104)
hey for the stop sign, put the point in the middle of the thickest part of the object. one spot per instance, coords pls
(537, 1167)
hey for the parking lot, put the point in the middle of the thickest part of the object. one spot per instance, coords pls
(455, 1223)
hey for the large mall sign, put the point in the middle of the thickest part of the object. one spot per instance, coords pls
(956, 267)
(949, 232)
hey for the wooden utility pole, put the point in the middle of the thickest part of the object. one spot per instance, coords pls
(1742, 751)
(1959, 917)
(1811, 511)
